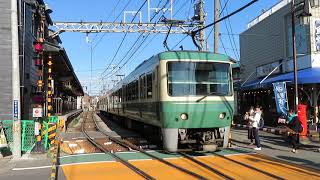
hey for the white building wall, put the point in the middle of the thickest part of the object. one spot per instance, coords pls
(263, 43)
(79, 102)
(268, 40)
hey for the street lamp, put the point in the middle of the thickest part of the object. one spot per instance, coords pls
(294, 51)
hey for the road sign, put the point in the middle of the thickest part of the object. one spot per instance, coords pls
(37, 112)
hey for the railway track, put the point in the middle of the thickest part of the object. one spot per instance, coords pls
(132, 146)
(186, 165)
(103, 149)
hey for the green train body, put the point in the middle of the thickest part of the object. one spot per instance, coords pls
(187, 95)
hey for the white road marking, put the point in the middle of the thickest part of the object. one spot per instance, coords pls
(30, 168)
(79, 155)
(70, 164)
(93, 162)
(140, 160)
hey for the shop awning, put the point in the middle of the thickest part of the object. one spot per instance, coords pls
(305, 76)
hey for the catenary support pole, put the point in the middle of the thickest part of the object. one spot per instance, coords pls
(16, 128)
(201, 21)
(216, 26)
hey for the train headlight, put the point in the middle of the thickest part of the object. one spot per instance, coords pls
(184, 116)
(222, 115)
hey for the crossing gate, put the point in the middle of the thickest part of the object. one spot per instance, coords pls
(48, 131)
(52, 129)
(27, 134)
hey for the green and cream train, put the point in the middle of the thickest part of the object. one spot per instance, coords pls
(186, 95)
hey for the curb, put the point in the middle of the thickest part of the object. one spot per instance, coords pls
(276, 131)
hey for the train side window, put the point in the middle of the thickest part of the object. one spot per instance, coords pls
(149, 86)
(136, 90)
(142, 84)
(120, 95)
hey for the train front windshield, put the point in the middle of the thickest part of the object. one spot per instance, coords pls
(199, 78)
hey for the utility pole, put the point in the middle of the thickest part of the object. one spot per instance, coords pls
(16, 128)
(91, 65)
(294, 56)
(216, 26)
(201, 25)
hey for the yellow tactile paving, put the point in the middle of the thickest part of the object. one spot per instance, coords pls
(99, 171)
(161, 171)
(284, 170)
(265, 169)
(230, 169)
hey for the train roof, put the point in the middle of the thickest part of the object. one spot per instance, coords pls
(197, 55)
(147, 65)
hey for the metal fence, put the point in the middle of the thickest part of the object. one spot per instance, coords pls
(28, 138)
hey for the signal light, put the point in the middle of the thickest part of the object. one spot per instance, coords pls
(39, 83)
(38, 47)
(37, 62)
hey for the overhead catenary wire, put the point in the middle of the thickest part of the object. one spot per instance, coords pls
(109, 15)
(224, 48)
(118, 49)
(178, 11)
(193, 33)
(112, 73)
(233, 43)
(225, 5)
(180, 41)
(113, 22)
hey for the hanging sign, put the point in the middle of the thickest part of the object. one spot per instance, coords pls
(280, 94)
(317, 34)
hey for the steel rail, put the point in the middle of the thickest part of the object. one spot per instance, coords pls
(251, 167)
(206, 166)
(132, 167)
(123, 143)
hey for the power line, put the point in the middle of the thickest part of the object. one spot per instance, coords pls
(193, 33)
(231, 31)
(109, 15)
(183, 5)
(225, 5)
(113, 21)
(124, 37)
(135, 44)
(229, 37)
(223, 45)
(180, 41)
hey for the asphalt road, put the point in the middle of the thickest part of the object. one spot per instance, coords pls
(277, 147)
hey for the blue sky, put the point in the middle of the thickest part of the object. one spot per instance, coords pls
(99, 10)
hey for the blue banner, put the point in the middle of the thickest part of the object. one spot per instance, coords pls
(280, 94)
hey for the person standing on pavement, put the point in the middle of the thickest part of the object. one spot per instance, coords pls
(255, 120)
(250, 114)
(295, 128)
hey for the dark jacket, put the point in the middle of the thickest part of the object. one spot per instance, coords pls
(295, 125)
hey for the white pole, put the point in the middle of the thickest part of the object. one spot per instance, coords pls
(148, 10)
(171, 9)
(216, 26)
(16, 129)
